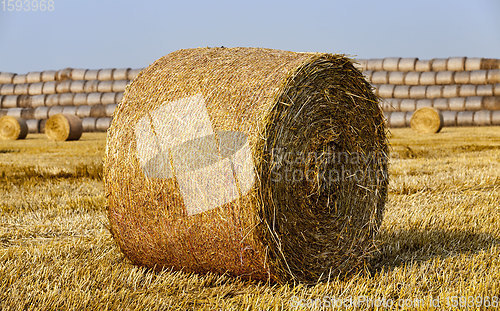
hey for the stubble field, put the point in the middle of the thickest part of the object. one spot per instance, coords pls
(439, 241)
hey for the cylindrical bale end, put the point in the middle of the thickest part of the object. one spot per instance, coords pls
(121, 74)
(456, 103)
(33, 77)
(49, 76)
(473, 103)
(41, 113)
(78, 74)
(63, 127)
(472, 63)
(88, 124)
(12, 128)
(32, 125)
(391, 63)
(423, 65)
(449, 118)
(64, 74)
(495, 117)
(102, 124)
(380, 77)
(427, 120)
(6, 77)
(84, 112)
(485, 90)
(396, 77)
(482, 118)
(133, 73)
(465, 118)
(407, 64)
(439, 64)
(407, 105)
(456, 64)
(440, 104)
(491, 103)
(397, 119)
(412, 78)
(478, 77)
(91, 75)
(105, 74)
(445, 77)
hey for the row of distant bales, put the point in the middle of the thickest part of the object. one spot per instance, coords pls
(464, 91)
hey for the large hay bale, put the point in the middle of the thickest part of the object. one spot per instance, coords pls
(63, 127)
(12, 128)
(238, 209)
(427, 120)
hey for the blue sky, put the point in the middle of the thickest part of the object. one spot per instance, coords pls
(105, 33)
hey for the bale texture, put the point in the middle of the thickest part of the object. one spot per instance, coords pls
(63, 127)
(12, 128)
(238, 210)
(427, 120)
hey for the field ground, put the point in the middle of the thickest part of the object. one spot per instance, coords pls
(440, 236)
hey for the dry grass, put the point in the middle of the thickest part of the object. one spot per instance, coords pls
(440, 234)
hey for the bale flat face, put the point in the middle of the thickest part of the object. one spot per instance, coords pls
(63, 127)
(260, 163)
(427, 120)
(12, 128)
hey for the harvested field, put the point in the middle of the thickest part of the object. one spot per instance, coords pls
(440, 235)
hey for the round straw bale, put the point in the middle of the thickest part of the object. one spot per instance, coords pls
(77, 86)
(41, 113)
(120, 74)
(94, 98)
(439, 64)
(21, 89)
(478, 77)
(456, 103)
(493, 76)
(473, 103)
(52, 100)
(83, 112)
(66, 99)
(24, 101)
(105, 86)
(88, 124)
(32, 125)
(35, 88)
(119, 97)
(407, 105)
(105, 74)
(37, 101)
(98, 111)
(427, 120)
(91, 74)
(41, 126)
(467, 90)
(391, 104)
(15, 112)
(462, 77)
(71, 110)
(108, 98)
(495, 117)
(434, 91)
(7, 89)
(391, 63)
(55, 110)
(375, 64)
(33, 77)
(64, 74)
(423, 65)
(10, 101)
(49, 88)
(63, 127)
(444, 77)
(63, 86)
(19, 79)
(110, 109)
(440, 104)
(491, 103)
(102, 124)
(27, 113)
(397, 119)
(396, 77)
(449, 118)
(385, 90)
(380, 77)
(420, 103)
(48, 76)
(80, 99)
(12, 128)
(6, 77)
(417, 91)
(450, 90)
(412, 78)
(485, 90)
(465, 118)
(407, 64)
(78, 74)
(401, 91)
(456, 64)
(119, 86)
(482, 117)
(237, 211)
(133, 73)
(408, 116)
(472, 63)
(490, 63)
(91, 86)
(428, 78)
